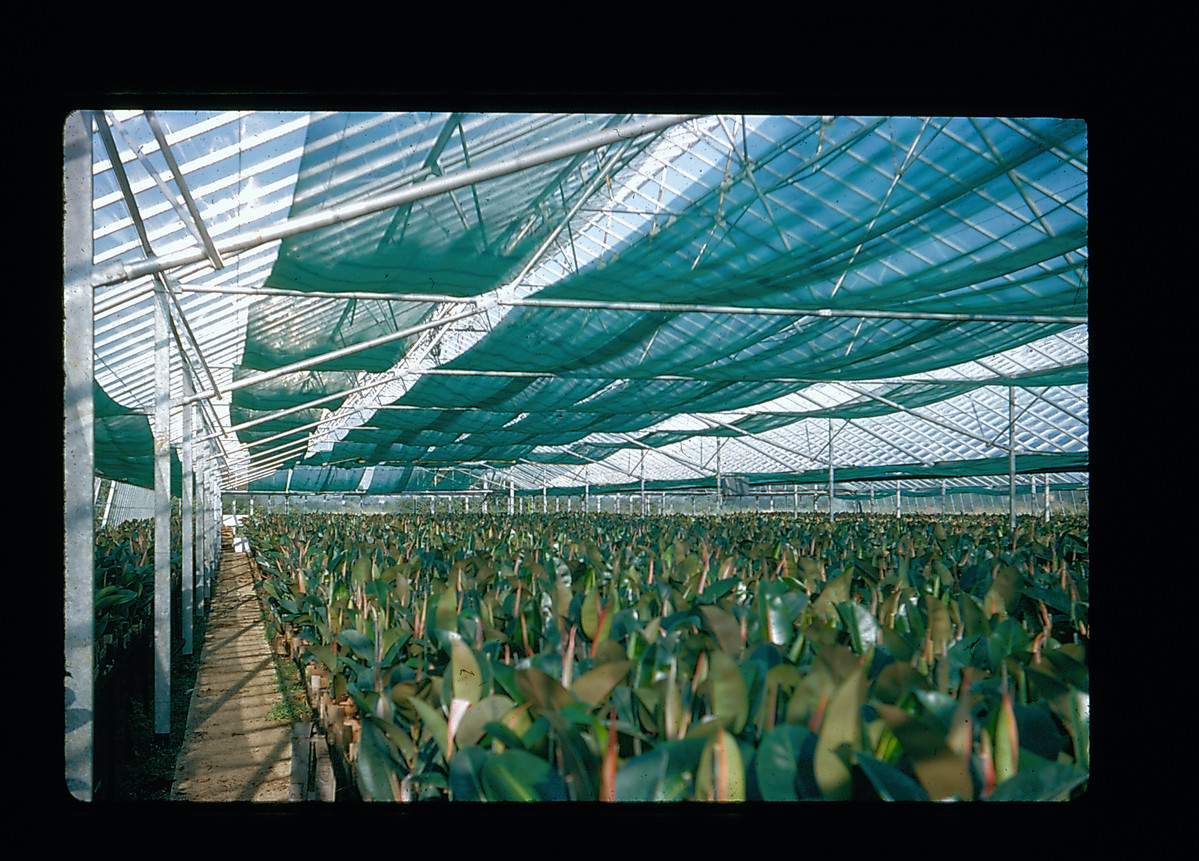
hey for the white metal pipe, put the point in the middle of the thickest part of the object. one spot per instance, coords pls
(306, 364)
(650, 307)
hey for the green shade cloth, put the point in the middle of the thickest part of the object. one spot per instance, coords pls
(125, 444)
(1026, 464)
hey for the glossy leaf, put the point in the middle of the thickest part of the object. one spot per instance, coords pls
(773, 612)
(597, 614)
(1007, 740)
(542, 689)
(465, 674)
(721, 774)
(373, 765)
(864, 630)
(359, 643)
(941, 772)
(725, 628)
(835, 591)
(642, 778)
(517, 775)
(730, 698)
(474, 722)
(433, 725)
(889, 782)
(466, 774)
(446, 617)
(596, 684)
(839, 736)
(939, 625)
(778, 761)
(1040, 780)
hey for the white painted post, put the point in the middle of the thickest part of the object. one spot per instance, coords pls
(162, 514)
(79, 459)
(186, 514)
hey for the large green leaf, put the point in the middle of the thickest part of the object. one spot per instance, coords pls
(778, 760)
(889, 782)
(1040, 780)
(835, 591)
(721, 774)
(359, 643)
(593, 609)
(446, 616)
(642, 778)
(474, 723)
(944, 774)
(374, 766)
(433, 724)
(725, 628)
(542, 689)
(839, 736)
(773, 612)
(465, 674)
(517, 775)
(596, 684)
(940, 626)
(730, 698)
(864, 629)
(466, 774)
(322, 653)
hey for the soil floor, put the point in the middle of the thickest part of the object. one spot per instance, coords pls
(231, 751)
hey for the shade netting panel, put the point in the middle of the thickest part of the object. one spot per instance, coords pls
(124, 444)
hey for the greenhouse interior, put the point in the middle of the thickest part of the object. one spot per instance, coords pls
(601, 457)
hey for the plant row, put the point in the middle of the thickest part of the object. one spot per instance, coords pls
(124, 592)
(772, 657)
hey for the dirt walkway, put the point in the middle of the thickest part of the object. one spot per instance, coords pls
(231, 751)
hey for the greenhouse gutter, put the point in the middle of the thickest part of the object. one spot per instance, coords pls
(408, 194)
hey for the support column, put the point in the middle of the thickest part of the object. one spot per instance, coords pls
(215, 519)
(185, 513)
(719, 476)
(198, 466)
(643, 482)
(943, 512)
(1046, 480)
(112, 491)
(1011, 462)
(830, 470)
(162, 514)
(79, 459)
(898, 501)
(511, 495)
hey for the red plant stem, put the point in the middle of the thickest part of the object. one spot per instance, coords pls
(608, 772)
(818, 715)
